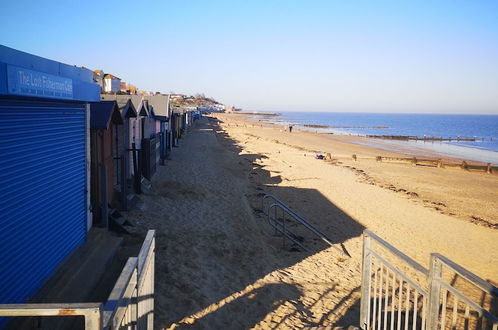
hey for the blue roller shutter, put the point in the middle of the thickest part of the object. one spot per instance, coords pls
(43, 192)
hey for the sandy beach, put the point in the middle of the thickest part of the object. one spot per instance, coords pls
(218, 264)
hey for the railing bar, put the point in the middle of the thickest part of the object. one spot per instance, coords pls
(375, 295)
(387, 299)
(275, 224)
(145, 249)
(400, 299)
(400, 274)
(124, 302)
(424, 311)
(379, 316)
(397, 252)
(472, 304)
(369, 292)
(145, 266)
(407, 306)
(479, 321)
(479, 282)
(119, 291)
(298, 218)
(455, 310)
(303, 221)
(443, 310)
(415, 308)
(393, 296)
(467, 314)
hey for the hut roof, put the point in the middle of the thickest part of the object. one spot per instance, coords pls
(140, 105)
(124, 103)
(160, 106)
(102, 113)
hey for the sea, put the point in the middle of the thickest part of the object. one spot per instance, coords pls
(484, 128)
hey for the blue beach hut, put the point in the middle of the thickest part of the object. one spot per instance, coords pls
(44, 168)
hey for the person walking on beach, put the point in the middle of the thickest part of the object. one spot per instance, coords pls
(290, 128)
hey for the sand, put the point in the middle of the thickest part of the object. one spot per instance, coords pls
(218, 264)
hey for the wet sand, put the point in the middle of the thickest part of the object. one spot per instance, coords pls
(218, 264)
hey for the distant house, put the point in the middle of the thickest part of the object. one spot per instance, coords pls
(123, 87)
(112, 84)
(98, 78)
(132, 89)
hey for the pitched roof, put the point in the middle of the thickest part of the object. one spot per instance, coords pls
(108, 75)
(102, 113)
(140, 105)
(124, 103)
(160, 106)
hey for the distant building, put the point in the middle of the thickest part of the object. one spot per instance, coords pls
(177, 97)
(98, 78)
(132, 89)
(112, 84)
(229, 108)
(123, 87)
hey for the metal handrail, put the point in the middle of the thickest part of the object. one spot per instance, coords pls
(378, 301)
(396, 252)
(296, 217)
(284, 231)
(471, 277)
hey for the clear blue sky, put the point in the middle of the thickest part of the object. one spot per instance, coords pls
(396, 56)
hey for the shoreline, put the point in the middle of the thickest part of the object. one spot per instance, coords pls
(390, 173)
(388, 147)
(413, 147)
(220, 264)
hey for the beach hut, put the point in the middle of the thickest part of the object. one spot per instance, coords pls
(44, 168)
(176, 126)
(147, 136)
(105, 165)
(129, 146)
(161, 113)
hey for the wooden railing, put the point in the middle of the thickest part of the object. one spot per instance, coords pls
(130, 304)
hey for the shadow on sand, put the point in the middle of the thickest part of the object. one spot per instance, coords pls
(257, 303)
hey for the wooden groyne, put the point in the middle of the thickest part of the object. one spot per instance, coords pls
(433, 162)
(327, 126)
(426, 138)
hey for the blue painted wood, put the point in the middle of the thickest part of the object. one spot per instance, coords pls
(43, 192)
(83, 87)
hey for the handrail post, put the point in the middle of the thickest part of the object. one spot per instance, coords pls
(283, 226)
(93, 319)
(434, 283)
(365, 281)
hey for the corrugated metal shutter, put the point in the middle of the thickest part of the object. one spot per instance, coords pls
(43, 192)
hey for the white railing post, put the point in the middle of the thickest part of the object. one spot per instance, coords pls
(365, 282)
(434, 283)
(93, 319)
(150, 316)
